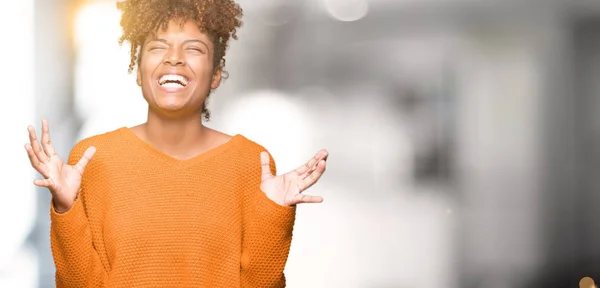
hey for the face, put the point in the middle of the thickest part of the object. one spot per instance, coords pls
(176, 70)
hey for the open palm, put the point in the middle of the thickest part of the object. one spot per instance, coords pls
(61, 179)
(287, 189)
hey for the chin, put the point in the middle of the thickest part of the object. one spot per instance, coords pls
(172, 101)
(172, 106)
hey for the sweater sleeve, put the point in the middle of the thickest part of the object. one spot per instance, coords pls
(267, 235)
(77, 262)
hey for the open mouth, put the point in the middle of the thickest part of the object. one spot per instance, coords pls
(173, 81)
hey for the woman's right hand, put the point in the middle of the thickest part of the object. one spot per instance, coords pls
(61, 179)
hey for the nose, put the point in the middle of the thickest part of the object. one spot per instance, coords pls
(174, 57)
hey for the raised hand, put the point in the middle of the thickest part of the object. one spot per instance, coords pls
(286, 189)
(61, 179)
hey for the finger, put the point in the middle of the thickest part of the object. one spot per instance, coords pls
(309, 172)
(48, 148)
(37, 149)
(309, 165)
(302, 198)
(313, 177)
(85, 159)
(48, 183)
(35, 163)
(264, 166)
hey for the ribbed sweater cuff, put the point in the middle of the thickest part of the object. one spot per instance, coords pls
(72, 222)
(275, 215)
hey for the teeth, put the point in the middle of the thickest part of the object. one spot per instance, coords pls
(179, 80)
(172, 85)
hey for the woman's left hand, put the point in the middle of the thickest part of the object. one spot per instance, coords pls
(286, 189)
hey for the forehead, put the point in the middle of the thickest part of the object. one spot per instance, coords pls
(179, 28)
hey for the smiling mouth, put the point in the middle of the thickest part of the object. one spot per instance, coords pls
(173, 81)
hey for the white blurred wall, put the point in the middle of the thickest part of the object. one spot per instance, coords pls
(18, 261)
(332, 74)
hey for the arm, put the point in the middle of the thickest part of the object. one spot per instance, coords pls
(77, 262)
(267, 235)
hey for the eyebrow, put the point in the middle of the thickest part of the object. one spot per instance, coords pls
(184, 42)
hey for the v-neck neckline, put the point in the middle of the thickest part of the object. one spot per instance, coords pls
(168, 159)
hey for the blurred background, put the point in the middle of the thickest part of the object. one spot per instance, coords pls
(464, 134)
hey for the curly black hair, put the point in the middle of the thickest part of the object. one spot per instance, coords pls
(220, 19)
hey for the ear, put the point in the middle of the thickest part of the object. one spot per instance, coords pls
(216, 79)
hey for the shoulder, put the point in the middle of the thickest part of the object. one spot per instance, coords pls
(102, 142)
(249, 151)
(243, 146)
(249, 144)
(248, 147)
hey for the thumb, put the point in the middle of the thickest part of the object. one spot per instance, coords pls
(264, 164)
(85, 159)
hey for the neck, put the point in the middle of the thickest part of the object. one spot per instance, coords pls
(175, 136)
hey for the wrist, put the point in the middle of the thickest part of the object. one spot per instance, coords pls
(61, 207)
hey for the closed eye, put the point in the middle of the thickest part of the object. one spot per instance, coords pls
(196, 50)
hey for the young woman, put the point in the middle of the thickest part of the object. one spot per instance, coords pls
(171, 202)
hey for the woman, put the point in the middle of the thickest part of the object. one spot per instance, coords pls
(171, 202)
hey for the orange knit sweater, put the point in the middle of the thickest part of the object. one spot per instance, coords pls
(145, 219)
